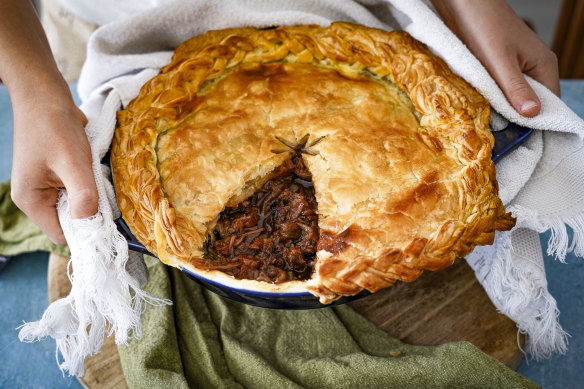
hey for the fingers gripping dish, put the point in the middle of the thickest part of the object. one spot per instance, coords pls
(334, 159)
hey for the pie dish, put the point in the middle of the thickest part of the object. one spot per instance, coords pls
(384, 151)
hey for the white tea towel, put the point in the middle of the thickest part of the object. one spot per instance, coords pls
(534, 184)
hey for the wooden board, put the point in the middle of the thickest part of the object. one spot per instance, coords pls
(440, 307)
(444, 306)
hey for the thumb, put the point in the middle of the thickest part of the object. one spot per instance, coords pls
(83, 202)
(518, 91)
(81, 191)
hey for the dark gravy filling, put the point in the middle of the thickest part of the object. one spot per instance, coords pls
(273, 235)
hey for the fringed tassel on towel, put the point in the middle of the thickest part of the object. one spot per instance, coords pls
(559, 243)
(104, 297)
(515, 281)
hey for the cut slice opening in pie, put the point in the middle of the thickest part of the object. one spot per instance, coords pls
(271, 236)
(341, 158)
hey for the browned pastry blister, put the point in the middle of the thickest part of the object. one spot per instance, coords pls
(398, 147)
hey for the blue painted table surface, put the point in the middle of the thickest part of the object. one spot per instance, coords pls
(23, 297)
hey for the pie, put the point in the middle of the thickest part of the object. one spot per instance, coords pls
(333, 159)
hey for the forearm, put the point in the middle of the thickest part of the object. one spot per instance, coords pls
(27, 67)
(51, 150)
(506, 47)
(465, 17)
(461, 15)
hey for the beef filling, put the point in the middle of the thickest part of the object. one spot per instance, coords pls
(272, 236)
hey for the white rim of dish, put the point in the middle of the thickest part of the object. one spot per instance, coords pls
(223, 280)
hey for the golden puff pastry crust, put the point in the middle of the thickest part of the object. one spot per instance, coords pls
(398, 146)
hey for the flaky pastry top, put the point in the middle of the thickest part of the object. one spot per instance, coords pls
(398, 147)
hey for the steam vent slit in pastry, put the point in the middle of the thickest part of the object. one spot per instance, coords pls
(330, 159)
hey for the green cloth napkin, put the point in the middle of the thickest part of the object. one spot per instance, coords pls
(18, 234)
(206, 341)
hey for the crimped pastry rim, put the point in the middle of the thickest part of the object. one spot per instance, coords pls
(475, 107)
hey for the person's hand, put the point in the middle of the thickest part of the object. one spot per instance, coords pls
(51, 149)
(506, 46)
